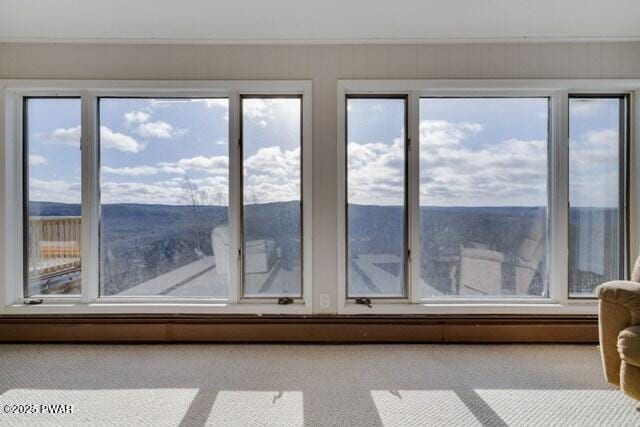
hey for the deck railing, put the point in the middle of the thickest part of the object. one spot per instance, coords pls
(54, 245)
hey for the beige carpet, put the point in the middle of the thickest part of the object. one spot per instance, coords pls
(365, 385)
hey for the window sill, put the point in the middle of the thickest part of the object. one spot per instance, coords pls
(445, 307)
(168, 307)
(548, 307)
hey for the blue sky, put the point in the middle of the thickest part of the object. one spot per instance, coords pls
(474, 152)
(155, 150)
(167, 144)
(375, 134)
(54, 152)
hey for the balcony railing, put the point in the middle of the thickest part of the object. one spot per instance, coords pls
(54, 245)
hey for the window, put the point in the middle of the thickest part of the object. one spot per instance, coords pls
(483, 197)
(597, 191)
(453, 197)
(376, 197)
(164, 187)
(271, 196)
(52, 183)
(475, 196)
(156, 197)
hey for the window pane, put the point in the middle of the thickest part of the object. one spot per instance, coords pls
(52, 166)
(594, 191)
(164, 171)
(271, 224)
(483, 197)
(376, 219)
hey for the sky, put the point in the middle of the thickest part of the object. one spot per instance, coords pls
(473, 152)
(594, 152)
(479, 152)
(53, 127)
(166, 151)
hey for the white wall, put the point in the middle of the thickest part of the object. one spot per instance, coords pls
(324, 65)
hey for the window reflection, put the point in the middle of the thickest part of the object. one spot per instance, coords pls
(272, 198)
(594, 192)
(164, 197)
(483, 197)
(376, 211)
(53, 226)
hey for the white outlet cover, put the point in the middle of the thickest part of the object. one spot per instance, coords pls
(325, 301)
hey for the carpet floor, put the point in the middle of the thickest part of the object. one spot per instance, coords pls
(315, 385)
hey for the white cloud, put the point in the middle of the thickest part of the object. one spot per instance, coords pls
(375, 173)
(262, 111)
(272, 175)
(108, 139)
(257, 109)
(584, 107)
(152, 129)
(213, 190)
(455, 170)
(166, 192)
(158, 129)
(594, 159)
(442, 133)
(166, 102)
(209, 102)
(144, 170)
(212, 165)
(37, 159)
(130, 171)
(54, 191)
(67, 136)
(136, 117)
(596, 145)
(217, 102)
(119, 141)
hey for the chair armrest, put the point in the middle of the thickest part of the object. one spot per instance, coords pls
(619, 309)
(624, 293)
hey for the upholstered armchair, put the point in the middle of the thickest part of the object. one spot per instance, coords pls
(619, 327)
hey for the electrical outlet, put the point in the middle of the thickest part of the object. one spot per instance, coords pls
(325, 301)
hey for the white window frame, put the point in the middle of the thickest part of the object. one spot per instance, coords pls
(558, 92)
(12, 93)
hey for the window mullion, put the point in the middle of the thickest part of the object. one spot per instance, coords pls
(559, 198)
(623, 202)
(4, 291)
(633, 230)
(12, 185)
(90, 210)
(415, 237)
(341, 172)
(307, 199)
(235, 281)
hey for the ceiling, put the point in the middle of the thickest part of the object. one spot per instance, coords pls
(317, 21)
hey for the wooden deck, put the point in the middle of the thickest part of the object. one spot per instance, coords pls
(201, 279)
(53, 254)
(379, 275)
(374, 275)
